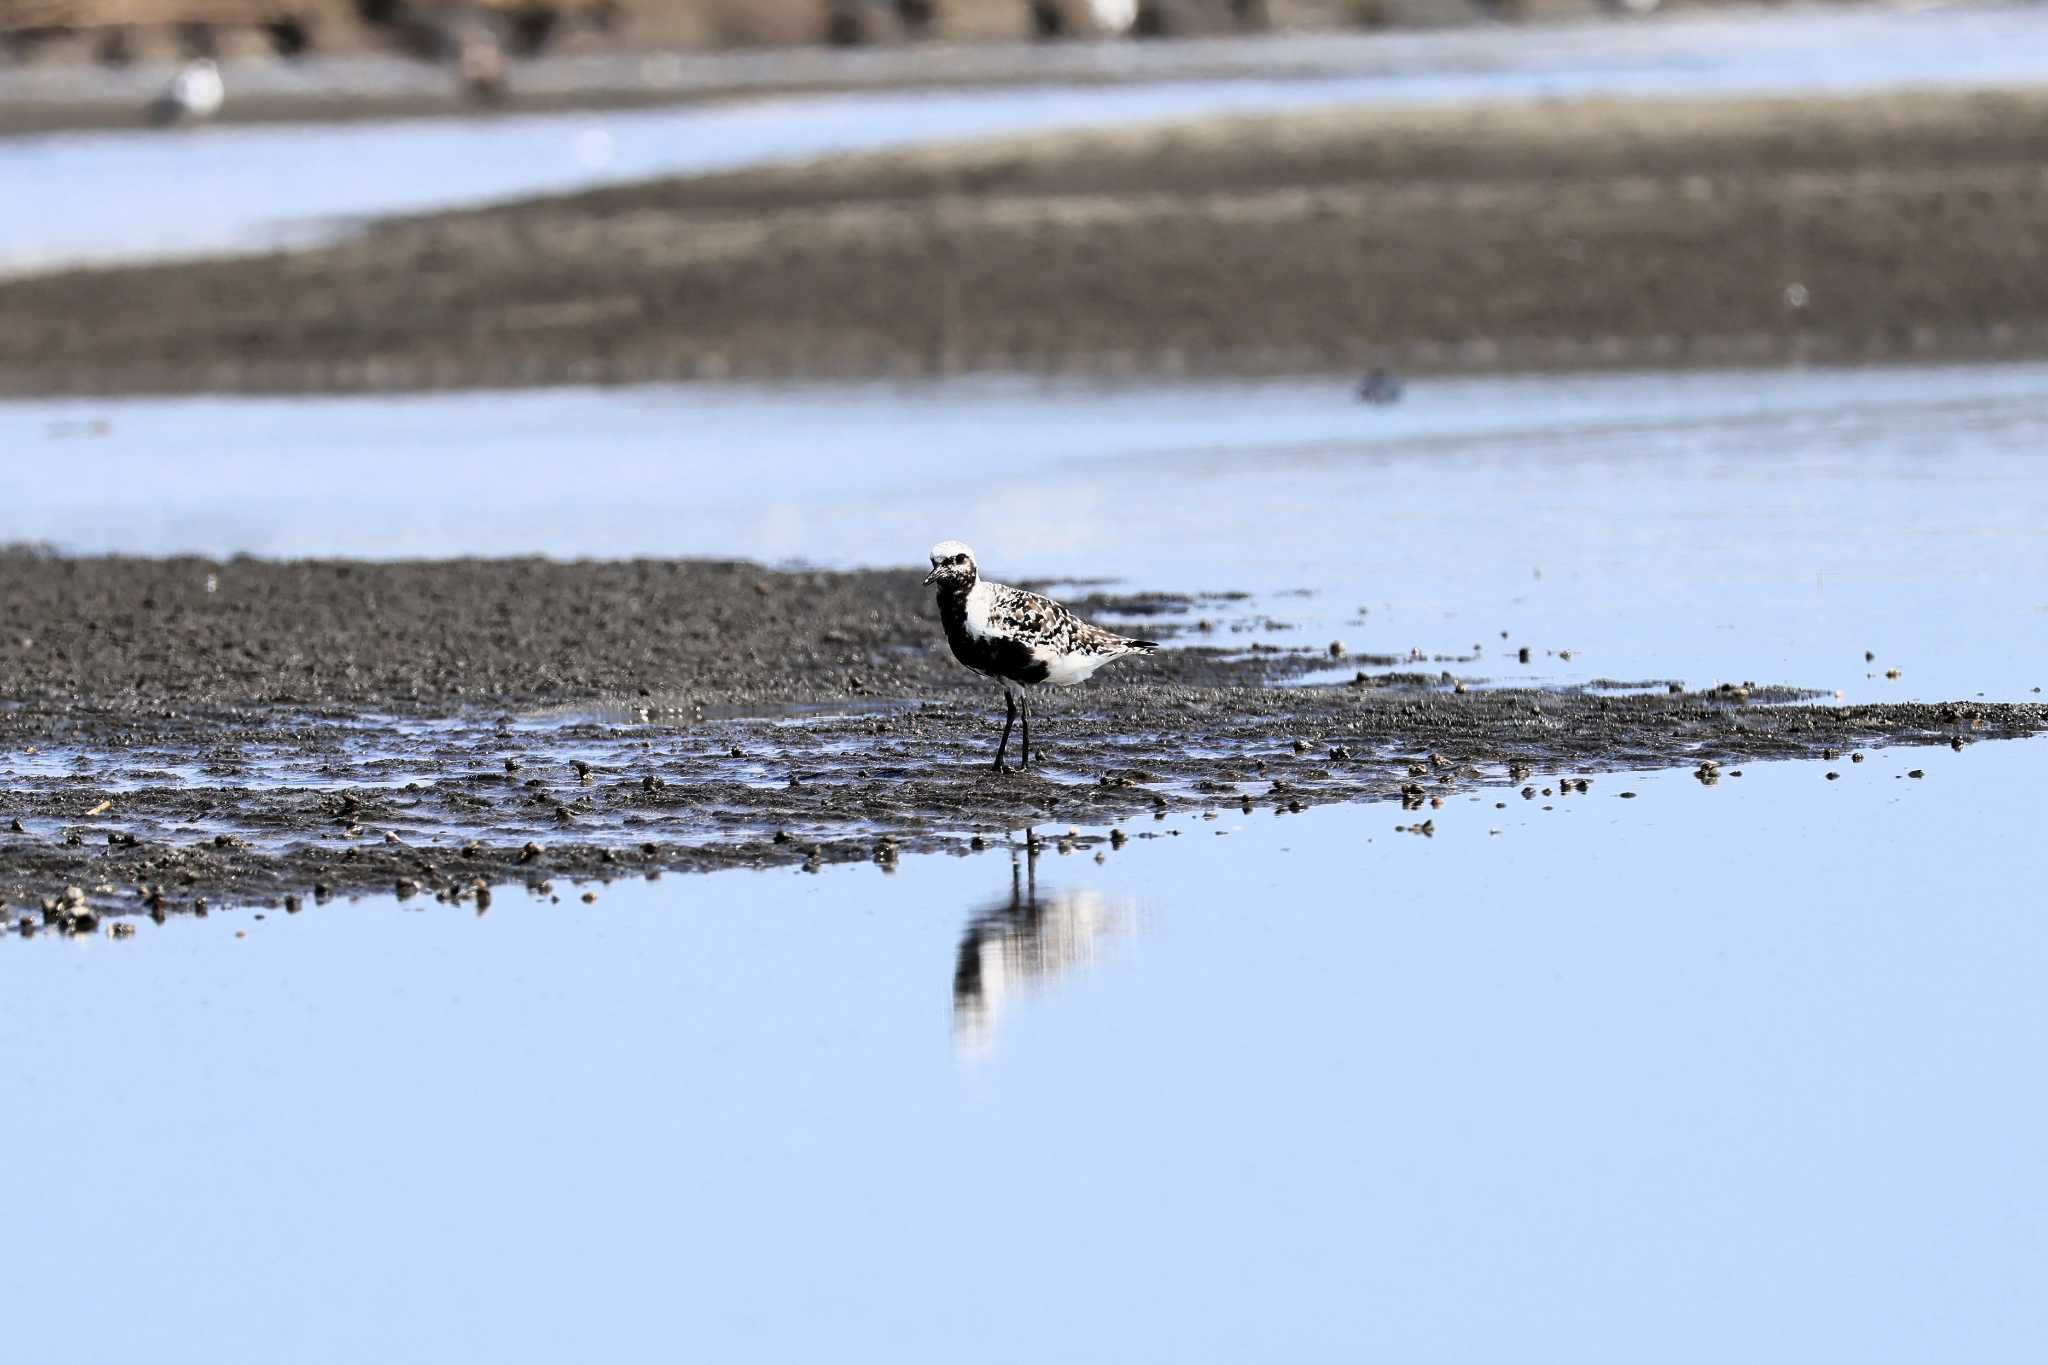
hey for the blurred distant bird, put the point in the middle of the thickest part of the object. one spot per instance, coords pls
(475, 40)
(194, 94)
(1057, 18)
(1016, 637)
(480, 63)
(1379, 387)
(1114, 16)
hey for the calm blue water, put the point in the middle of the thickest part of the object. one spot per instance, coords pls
(1741, 1072)
(121, 195)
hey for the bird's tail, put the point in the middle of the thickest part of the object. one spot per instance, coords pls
(1141, 646)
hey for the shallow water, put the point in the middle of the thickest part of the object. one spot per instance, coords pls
(106, 196)
(1739, 1071)
(1742, 1071)
(1702, 526)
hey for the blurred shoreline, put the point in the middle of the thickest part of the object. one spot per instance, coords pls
(1585, 235)
(629, 72)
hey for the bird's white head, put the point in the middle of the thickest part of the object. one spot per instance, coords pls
(952, 565)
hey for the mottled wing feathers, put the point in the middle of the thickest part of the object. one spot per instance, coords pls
(1048, 625)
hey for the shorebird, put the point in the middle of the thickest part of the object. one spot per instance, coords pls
(195, 93)
(1018, 638)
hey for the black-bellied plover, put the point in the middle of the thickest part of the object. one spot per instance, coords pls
(1018, 638)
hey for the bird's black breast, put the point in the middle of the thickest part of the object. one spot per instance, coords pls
(993, 655)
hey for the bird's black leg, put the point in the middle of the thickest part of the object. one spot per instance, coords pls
(1009, 719)
(1026, 708)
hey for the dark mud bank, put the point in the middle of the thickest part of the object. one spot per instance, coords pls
(1601, 234)
(181, 735)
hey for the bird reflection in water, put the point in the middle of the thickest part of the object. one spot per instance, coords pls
(1018, 946)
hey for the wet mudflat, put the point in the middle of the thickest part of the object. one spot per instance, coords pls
(181, 734)
(1817, 561)
(1552, 1078)
(1893, 226)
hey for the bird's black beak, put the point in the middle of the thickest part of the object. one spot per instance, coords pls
(931, 578)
